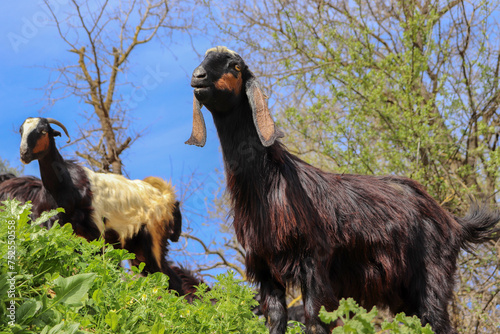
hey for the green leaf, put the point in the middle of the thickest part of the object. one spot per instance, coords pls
(27, 310)
(46, 215)
(112, 320)
(62, 328)
(71, 291)
(98, 296)
(327, 317)
(47, 317)
(4, 284)
(72, 328)
(56, 329)
(158, 328)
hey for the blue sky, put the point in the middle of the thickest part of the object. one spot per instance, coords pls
(28, 46)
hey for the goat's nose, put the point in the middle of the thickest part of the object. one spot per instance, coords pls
(199, 73)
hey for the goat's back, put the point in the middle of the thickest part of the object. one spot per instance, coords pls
(125, 205)
(23, 188)
(29, 188)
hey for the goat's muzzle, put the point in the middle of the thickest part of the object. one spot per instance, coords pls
(26, 156)
(201, 84)
(199, 73)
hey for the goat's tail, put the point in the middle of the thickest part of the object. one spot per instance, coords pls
(479, 225)
(177, 229)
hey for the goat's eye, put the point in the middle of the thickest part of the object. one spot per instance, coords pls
(44, 132)
(237, 67)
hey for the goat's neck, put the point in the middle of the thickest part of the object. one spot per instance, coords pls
(53, 170)
(246, 159)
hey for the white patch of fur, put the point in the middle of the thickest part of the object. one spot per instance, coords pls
(126, 205)
(28, 126)
(221, 49)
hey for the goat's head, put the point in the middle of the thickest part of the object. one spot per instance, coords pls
(36, 135)
(223, 82)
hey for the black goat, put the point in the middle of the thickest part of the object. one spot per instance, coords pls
(381, 240)
(28, 188)
(63, 183)
(137, 215)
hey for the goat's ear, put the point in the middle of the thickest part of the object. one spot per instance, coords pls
(56, 133)
(199, 134)
(268, 133)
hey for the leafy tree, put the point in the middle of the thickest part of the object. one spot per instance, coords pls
(407, 87)
(389, 87)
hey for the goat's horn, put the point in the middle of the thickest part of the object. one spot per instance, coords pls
(56, 122)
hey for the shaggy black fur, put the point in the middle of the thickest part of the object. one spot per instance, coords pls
(379, 239)
(29, 188)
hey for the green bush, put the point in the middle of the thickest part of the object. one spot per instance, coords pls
(357, 320)
(60, 283)
(56, 282)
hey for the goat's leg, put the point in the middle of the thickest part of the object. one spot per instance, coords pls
(174, 281)
(427, 297)
(272, 294)
(434, 305)
(316, 291)
(273, 305)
